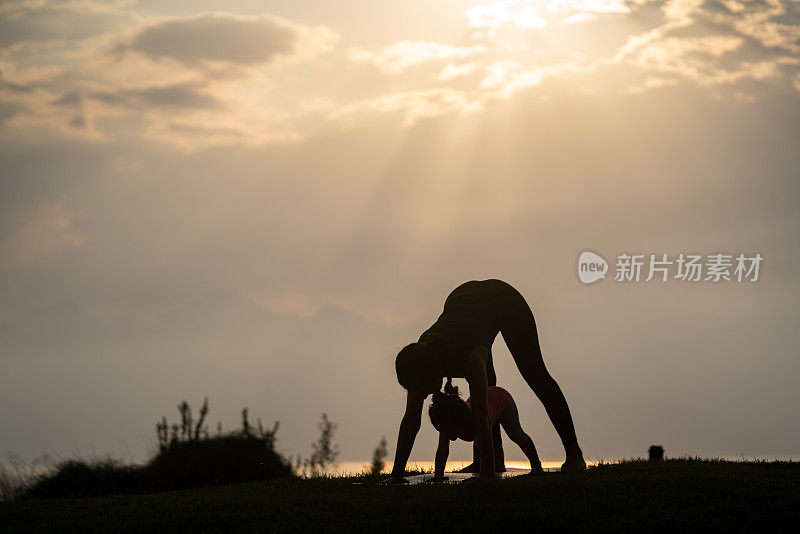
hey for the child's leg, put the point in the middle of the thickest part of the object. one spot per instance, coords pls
(510, 422)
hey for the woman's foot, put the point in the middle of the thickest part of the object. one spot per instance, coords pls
(573, 464)
(574, 460)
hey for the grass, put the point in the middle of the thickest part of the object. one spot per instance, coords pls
(675, 495)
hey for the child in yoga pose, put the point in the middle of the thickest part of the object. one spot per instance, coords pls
(452, 417)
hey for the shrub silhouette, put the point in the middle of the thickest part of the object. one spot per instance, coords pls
(187, 458)
(219, 460)
(187, 430)
(378, 457)
(75, 478)
(323, 452)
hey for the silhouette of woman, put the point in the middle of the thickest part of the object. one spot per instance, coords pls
(459, 344)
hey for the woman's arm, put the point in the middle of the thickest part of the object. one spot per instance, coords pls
(409, 427)
(478, 385)
(442, 451)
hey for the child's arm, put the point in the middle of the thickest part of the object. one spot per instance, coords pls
(442, 451)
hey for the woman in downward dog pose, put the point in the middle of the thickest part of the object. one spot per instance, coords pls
(458, 345)
(452, 417)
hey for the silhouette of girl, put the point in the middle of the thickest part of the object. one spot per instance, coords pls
(452, 417)
(459, 345)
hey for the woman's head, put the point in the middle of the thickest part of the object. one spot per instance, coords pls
(419, 368)
(449, 414)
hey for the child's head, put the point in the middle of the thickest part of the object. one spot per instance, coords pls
(449, 414)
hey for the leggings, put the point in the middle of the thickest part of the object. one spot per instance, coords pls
(515, 321)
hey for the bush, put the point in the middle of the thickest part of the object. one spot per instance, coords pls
(324, 451)
(188, 458)
(78, 479)
(378, 456)
(220, 460)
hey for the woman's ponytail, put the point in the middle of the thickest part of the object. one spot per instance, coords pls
(449, 388)
(449, 392)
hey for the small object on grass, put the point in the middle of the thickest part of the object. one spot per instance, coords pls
(656, 453)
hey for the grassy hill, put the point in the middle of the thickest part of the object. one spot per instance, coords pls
(675, 495)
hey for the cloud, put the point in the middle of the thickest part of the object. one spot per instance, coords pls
(452, 70)
(506, 78)
(653, 83)
(14, 8)
(526, 17)
(232, 39)
(681, 10)
(719, 42)
(9, 110)
(208, 79)
(411, 105)
(188, 81)
(45, 233)
(502, 72)
(32, 106)
(395, 58)
(43, 21)
(592, 6)
(580, 17)
(766, 21)
(188, 95)
(490, 16)
(204, 130)
(494, 15)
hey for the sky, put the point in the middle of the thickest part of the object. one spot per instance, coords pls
(263, 202)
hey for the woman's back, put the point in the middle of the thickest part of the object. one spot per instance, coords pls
(470, 317)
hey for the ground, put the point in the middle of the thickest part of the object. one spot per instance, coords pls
(675, 495)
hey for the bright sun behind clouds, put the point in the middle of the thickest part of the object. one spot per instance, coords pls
(101, 70)
(245, 199)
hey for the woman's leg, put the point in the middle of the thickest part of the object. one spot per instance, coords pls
(519, 332)
(510, 422)
(497, 439)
